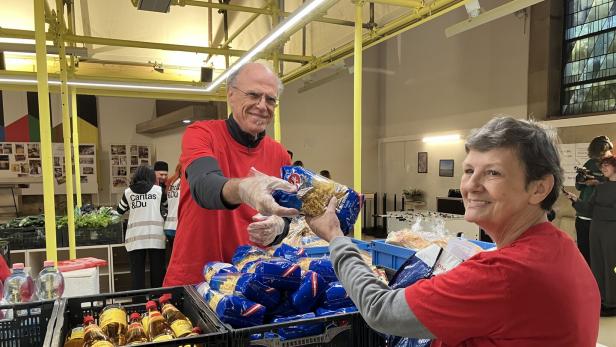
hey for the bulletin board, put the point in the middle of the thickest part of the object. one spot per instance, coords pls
(124, 160)
(572, 155)
(23, 159)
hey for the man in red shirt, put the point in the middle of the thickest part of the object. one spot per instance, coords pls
(226, 185)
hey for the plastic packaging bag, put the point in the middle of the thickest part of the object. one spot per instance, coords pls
(309, 292)
(336, 297)
(290, 253)
(322, 266)
(245, 256)
(237, 311)
(301, 330)
(325, 312)
(214, 267)
(313, 194)
(278, 273)
(244, 284)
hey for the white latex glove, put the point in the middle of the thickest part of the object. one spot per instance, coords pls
(256, 191)
(264, 229)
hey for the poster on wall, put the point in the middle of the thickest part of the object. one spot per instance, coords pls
(124, 160)
(23, 159)
(572, 155)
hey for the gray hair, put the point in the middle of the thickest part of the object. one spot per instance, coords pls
(231, 79)
(535, 144)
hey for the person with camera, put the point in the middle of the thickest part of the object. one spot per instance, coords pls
(586, 180)
(602, 207)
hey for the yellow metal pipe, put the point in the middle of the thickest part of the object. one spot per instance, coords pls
(45, 131)
(219, 6)
(402, 3)
(357, 96)
(393, 28)
(328, 20)
(66, 134)
(276, 63)
(75, 122)
(28, 34)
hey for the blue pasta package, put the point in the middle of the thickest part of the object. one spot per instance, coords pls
(234, 310)
(336, 297)
(246, 256)
(313, 194)
(246, 285)
(214, 267)
(290, 253)
(300, 330)
(309, 292)
(323, 266)
(325, 312)
(278, 273)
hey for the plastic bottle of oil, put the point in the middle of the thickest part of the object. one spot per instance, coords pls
(178, 322)
(136, 333)
(158, 329)
(93, 335)
(113, 322)
(75, 339)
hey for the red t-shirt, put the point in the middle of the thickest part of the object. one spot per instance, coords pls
(538, 291)
(213, 235)
(4, 269)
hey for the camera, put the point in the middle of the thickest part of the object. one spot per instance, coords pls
(583, 174)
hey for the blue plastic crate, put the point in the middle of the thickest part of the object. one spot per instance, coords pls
(388, 255)
(320, 251)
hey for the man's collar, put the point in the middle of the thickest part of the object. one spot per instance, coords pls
(243, 138)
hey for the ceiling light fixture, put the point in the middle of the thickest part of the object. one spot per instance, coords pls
(441, 139)
(280, 32)
(488, 16)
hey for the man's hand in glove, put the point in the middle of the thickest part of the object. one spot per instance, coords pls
(256, 191)
(264, 229)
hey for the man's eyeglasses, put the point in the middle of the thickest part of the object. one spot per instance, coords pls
(256, 97)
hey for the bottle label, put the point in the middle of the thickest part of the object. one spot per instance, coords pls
(77, 333)
(165, 337)
(135, 325)
(181, 327)
(145, 321)
(113, 315)
(102, 344)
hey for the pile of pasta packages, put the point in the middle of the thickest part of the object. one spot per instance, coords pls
(275, 285)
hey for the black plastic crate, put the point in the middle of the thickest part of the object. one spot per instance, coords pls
(28, 237)
(341, 330)
(27, 324)
(111, 234)
(72, 310)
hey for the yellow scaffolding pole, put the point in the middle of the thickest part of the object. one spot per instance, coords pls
(66, 133)
(74, 115)
(357, 95)
(45, 130)
(403, 3)
(276, 62)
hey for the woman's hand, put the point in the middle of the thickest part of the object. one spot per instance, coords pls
(327, 225)
(570, 196)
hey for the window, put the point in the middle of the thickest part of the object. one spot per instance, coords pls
(589, 73)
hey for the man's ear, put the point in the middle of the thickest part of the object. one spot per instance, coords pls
(540, 189)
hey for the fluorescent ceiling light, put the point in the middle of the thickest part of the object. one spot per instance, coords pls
(107, 85)
(282, 30)
(441, 139)
(488, 16)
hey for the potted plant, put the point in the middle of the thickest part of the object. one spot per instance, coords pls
(412, 194)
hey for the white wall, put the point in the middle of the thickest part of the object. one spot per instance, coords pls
(168, 146)
(117, 118)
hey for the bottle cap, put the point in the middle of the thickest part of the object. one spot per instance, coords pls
(165, 298)
(87, 319)
(18, 266)
(196, 330)
(135, 315)
(47, 263)
(150, 305)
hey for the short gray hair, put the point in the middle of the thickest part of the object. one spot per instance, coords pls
(231, 79)
(535, 144)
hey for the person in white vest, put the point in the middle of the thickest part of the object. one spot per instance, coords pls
(173, 201)
(144, 232)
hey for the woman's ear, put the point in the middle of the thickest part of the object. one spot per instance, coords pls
(540, 189)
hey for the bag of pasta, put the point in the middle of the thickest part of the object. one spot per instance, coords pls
(313, 194)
